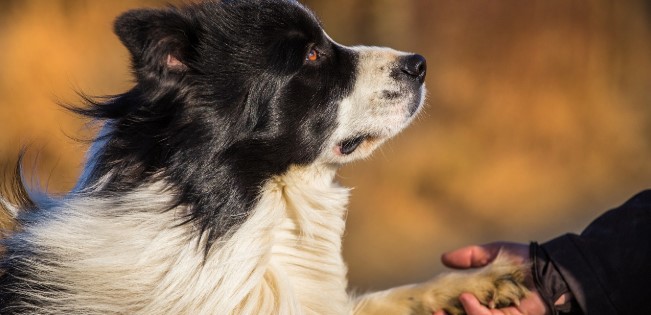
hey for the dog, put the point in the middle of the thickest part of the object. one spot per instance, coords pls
(210, 188)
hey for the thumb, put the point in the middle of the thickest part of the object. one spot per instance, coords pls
(473, 256)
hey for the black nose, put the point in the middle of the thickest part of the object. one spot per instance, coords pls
(415, 66)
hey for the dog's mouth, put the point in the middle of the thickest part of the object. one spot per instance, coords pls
(350, 145)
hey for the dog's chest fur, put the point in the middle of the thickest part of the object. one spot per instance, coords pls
(129, 255)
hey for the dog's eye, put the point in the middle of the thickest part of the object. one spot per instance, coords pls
(312, 55)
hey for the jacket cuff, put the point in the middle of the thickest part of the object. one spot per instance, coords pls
(548, 280)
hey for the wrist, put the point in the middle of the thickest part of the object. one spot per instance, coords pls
(549, 282)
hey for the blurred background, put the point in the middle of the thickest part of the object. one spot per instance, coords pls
(538, 116)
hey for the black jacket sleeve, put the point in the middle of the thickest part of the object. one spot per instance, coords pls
(608, 267)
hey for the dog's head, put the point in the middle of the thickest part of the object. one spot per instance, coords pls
(232, 93)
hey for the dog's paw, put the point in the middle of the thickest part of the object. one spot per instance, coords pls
(508, 290)
(497, 285)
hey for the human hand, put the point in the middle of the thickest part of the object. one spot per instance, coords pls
(477, 256)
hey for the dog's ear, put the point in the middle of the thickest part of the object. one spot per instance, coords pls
(158, 39)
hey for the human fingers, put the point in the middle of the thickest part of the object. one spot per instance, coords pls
(473, 307)
(470, 304)
(531, 305)
(475, 256)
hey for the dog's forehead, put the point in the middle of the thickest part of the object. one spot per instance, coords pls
(260, 35)
(260, 12)
(277, 16)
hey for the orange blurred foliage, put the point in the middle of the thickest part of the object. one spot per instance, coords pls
(538, 116)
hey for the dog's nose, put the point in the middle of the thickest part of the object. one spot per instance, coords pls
(415, 66)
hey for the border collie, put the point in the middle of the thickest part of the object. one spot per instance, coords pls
(211, 189)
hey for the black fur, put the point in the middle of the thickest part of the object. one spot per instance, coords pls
(16, 191)
(243, 106)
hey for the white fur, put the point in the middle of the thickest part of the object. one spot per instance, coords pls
(126, 256)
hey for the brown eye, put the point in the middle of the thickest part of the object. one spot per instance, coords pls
(313, 55)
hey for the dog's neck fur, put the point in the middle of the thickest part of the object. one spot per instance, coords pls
(284, 259)
(287, 255)
(306, 248)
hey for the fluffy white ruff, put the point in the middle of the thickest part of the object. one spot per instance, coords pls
(129, 255)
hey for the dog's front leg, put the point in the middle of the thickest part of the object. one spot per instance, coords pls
(405, 300)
